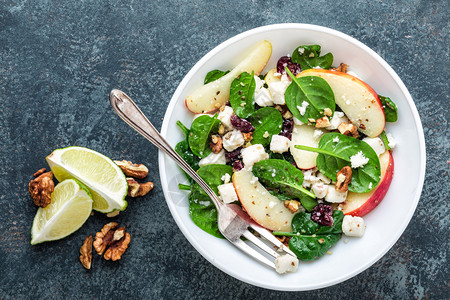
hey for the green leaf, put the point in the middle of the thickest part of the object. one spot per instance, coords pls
(385, 140)
(309, 57)
(241, 95)
(199, 135)
(266, 119)
(281, 177)
(308, 202)
(214, 75)
(182, 148)
(390, 109)
(333, 156)
(311, 92)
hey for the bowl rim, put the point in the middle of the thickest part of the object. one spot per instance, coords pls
(422, 149)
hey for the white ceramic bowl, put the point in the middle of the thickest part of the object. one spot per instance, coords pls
(385, 224)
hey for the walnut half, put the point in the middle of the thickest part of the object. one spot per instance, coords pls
(133, 170)
(86, 253)
(344, 178)
(136, 189)
(111, 241)
(292, 205)
(348, 129)
(41, 188)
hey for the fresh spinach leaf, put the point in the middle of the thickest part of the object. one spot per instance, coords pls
(201, 209)
(385, 140)
(390, 109)
(214, 75)
(308, 96)
(310, 240)
(267, 122)
(309, 57)
(242, 90)
(333, 156)
(282, 177)
(199, 135)
(182, 148)
(308, 202)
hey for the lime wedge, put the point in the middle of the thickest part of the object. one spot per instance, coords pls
(104, 179)
(70, 207)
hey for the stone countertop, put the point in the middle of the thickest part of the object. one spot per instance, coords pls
(58, 63)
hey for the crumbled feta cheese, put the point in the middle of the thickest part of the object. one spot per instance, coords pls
(337, 119)
(227, 193)
(224, 117)
(376, 143)
(334, 196)
(320, 189)
(263, 98)
(370, 185)
(226, 178)
(358, 160)
(233, 140)
(323, 178)
(286, 263)
(317, 134)
(353, 226)
(301, 50)
(302, 109)
(391, 141)
(277, 89)
(297, 121)
(279, 144)
(336, 140)
(253, 154)
(213, 158)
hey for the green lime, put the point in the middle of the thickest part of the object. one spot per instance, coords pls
(104, 179)
(70, 207)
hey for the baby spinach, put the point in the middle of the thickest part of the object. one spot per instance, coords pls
(201, 209)
(214, 75)
(267, 122)
(199, 135)
(309, 57)
(182, 148)
(390, 109)
(310, 240)
(281, 177)
(385, 140)
(309, 94)
(308, 202)
(333, 156)
(241, 95)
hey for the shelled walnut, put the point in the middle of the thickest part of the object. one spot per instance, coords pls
(130, 169)
(348, 129)
(86, 253)
(344, 178)
(111, 241)
(136, 189)
(41, 187)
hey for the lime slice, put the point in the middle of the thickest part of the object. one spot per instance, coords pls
(104, 179)
(70, 207)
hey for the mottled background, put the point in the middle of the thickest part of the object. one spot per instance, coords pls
(60, 59)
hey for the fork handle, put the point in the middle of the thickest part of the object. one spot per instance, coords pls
(133, 116)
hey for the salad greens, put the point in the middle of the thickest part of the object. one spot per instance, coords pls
(241, 95)
(267, 122)
(214, 75)
(308, 96)
(199, 135)
(390, 109)
(182, 148)
(333, 156)
(309, 57)
(385, 140)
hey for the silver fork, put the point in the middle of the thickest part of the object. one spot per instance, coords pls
(233, 222)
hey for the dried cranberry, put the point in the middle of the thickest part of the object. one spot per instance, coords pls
(241, 124)
(285, 61)
(288, 126)
(237, 165)
(233, 155)
(322, 214)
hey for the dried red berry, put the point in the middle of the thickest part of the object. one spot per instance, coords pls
(322, 214)
(237, 165)
(285, 61)
(241, 124)
(233, 155)
(288, 126)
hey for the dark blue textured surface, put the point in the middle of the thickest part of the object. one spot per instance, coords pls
(58, 62)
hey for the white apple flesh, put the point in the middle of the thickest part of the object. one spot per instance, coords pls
(304, 135)
(264, 208)
(211, 96)
(357, 99)
(358, 204)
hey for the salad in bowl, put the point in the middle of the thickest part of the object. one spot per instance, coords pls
(301, 140)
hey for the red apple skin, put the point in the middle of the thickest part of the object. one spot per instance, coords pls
(359, 205)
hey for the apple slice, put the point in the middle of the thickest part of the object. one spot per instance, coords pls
(211, 96)
(304, 135)
(264, 208)
(270, 77)
(359, 205)
(356, 99)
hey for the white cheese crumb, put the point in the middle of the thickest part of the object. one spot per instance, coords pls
(353, 226)
(227, 193)
(302, 109)
(370, 186)
(266, 135)
(391, 141)
(317, 134)
(253, 154)
(286, 263)
(226, 178)
(213, 158)
(376, 143)
(279, 144)
(358, 160)
(336, 140)
(297, 121)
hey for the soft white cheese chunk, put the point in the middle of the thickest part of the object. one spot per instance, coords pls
(297, 121)
(213, 158)
(334, 196)
(227, 193)
(279, 144)
(358, 160)
(253, 154)
(302, 109)
(233, 140)
(323, 178)
(391, 141)
(226, 178)
(286, 263)
(353, 226)
(319, 189)
(277, 89)
(376, 143)
(337, 119)
(262, 95)
(225, 117)
(317, 134)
